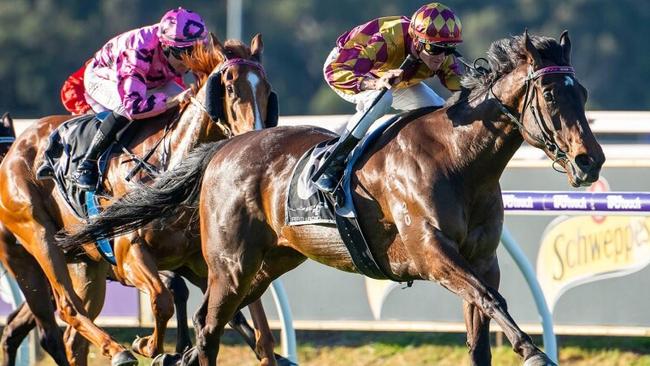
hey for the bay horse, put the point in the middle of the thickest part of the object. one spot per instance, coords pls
(428, 191)
(31, 211)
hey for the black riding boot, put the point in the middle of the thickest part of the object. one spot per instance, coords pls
(328, 176)
(87, 172)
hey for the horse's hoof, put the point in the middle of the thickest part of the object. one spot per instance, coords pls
(166, 359)
(124, 358)
(540, 359)
(282, 361)
(140, 346)
(190, 357)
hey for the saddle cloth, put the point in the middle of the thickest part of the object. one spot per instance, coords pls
(305, 203)
(66, 148)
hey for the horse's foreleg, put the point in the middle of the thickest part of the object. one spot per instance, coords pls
(442, 263)
(143, 274)
(276, 262)
(478, 324)
(176, 285)
(231, 271)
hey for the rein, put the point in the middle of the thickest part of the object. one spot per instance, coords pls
(225, 129)
(545, 138)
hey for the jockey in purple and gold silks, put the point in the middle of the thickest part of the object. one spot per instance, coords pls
(137, 75)
(367, 60)
(377, 47)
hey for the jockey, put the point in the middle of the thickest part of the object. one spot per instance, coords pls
(136, 75)
(366, 60)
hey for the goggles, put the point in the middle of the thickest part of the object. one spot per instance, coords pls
(435, 49)
(177, 52)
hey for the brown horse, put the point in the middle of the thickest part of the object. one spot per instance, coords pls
(428, 191)
(32, 211)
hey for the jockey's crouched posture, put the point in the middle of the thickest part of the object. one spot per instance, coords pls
(136, 75)
(367, 58)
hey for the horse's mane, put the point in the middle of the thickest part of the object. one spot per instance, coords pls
(204, 58)
(504, 56)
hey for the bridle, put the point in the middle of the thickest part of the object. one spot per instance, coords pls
(225, 129)
(545, 139)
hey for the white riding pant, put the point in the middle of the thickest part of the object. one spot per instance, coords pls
(102, 95)
(404, 99)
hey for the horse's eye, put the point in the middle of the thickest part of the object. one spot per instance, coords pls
(548, 96)
(230, 89)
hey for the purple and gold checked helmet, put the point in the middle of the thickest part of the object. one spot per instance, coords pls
(436, 23)
(181, 28)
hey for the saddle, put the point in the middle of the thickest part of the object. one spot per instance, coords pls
(66, 148)
(307, 205)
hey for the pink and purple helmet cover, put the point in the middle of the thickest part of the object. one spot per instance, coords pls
(181, 28)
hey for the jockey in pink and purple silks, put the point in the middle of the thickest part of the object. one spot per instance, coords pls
(137, 74)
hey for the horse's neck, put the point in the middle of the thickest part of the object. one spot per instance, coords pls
(192, 128)
(489, 144)
(482, 141)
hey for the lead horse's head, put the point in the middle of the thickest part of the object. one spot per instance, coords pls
(7, 134)
(550, 102)
(237, 96)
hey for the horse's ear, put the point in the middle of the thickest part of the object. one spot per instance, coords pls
(565, 43)
(215, 44)
(532, 54)
(257, 47)
(7, 121)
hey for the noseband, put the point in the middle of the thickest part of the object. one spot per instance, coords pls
(225, 129)
(545, 139)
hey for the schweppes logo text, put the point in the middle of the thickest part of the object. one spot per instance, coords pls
(577, 250)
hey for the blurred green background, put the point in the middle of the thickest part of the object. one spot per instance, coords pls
(43, 41)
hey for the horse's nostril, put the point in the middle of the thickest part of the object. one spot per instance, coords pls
(584, 162)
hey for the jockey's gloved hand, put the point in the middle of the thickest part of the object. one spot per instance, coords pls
(180, 98)
(390, 78)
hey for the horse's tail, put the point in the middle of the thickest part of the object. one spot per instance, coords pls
(170, 194)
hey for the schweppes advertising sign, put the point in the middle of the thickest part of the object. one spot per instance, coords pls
(577, 250)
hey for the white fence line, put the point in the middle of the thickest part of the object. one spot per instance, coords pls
(602, 122)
